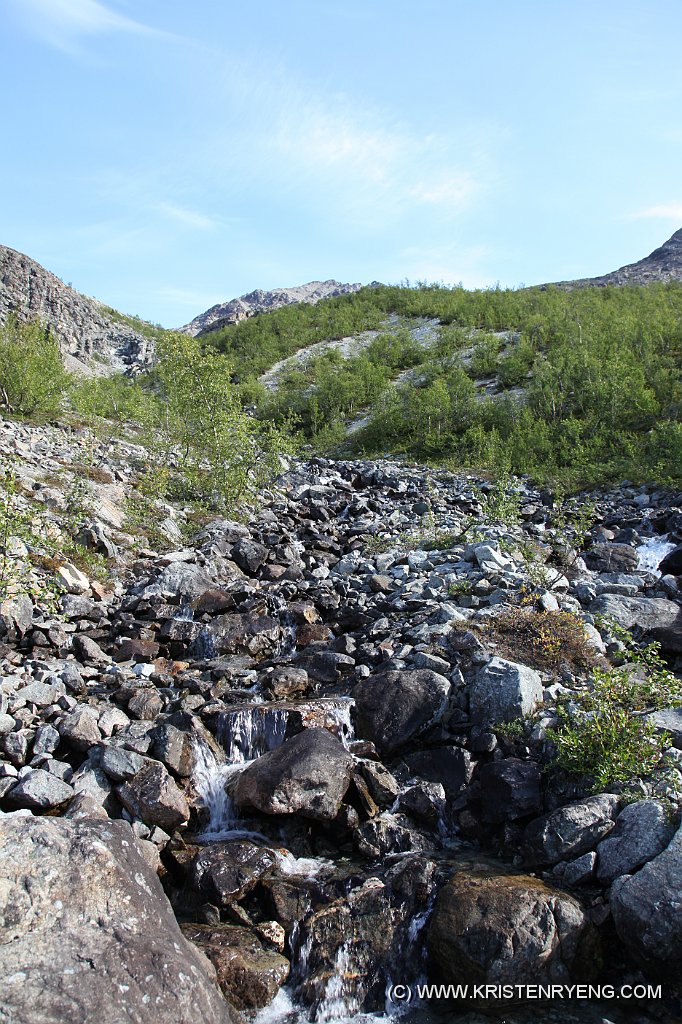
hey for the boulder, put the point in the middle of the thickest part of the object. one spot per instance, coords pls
(309, 775)
(451, 766)
(503, 690)
(393, 708)
(505, 929)
(249, 974)
(569, 831)
(152, 796)
(611, 558)
(654, 618)
(39, 790)
(87, 933)
(80, 730)
(672, 563)
(643, 830)
(225, 872)
(249, 555)
(647, 908)
(508, 790)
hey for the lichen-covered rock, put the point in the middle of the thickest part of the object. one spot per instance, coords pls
(153, 796)
(503, 690)
(569, 831)
(643, 830)
(309, 775)
(502, 929)
(87, 933)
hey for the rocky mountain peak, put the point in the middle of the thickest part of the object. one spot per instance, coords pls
(259, 301)
(663, 264)
(83, 326)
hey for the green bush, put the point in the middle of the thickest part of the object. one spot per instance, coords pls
(33, 380)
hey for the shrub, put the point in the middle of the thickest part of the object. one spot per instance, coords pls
(544, 639)
(33, 380)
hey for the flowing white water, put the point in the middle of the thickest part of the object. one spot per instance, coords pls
(210, 779)
(652, 551)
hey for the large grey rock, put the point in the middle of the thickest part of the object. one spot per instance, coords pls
(655, 618)
(450, 766)
(669, 720)
(183, 580)
(249, 555)
(503, 690)
(87, 933)
(153, 796)
(40, 790)
(80, 730)
(393, 708)
(505, 929)
(569, 831)
(309, 775)
(643, 830)
(647, 908)
(611, 558)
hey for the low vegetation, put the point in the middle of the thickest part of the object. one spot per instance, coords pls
(546, 640)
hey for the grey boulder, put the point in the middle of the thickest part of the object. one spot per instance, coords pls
(656, 618)
(88, 934)
(503, 690)
(569, 831)
(309, 775)
(393, 708)
(642, 831)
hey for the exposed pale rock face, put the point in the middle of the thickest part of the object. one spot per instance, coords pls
(88, 934)
(80, 323)
(224, 313)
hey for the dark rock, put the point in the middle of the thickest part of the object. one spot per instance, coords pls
(672, 563)
(80, 730)
(40, 790)
(88, 933)
(225, 872)
(393, 708)
(286, 681)
(140, 651)
(569, 831)
(248, 974)
(309, 774)
(89, 651)
(152, 796)
(450, 766)
(643, 830)
(508, 790)
(511, 929)
(611, 558)
(646, 909)
(653, 618)
(249, 555)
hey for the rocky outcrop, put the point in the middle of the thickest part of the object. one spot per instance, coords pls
(663, 264)
(88, 934)
(81, 324)
(259, 301)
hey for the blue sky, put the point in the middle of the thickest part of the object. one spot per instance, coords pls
(164, 155)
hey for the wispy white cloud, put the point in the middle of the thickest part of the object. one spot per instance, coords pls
(447, 264)
(664, 211)
(191, 218)
(63, 22)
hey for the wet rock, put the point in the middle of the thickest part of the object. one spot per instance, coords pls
(248, 974)
(672, 563)
(569, 831)
(309, 774)
(385, 834)
(88, 934)
(643, 830)
(225, 872)
(424, 802)
(501, 929)
(646, 908)
(153, 796)
(504, 690)
(382, 787)
(393, 708)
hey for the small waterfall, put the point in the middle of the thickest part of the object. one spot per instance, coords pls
(652, 551)
(185, 613)
(209, 781)
(252, 731)
(286, 646)
(341, 715)
(203, 646)
(341, 997)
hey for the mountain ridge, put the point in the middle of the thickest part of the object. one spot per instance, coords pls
(259, 300)
(663, 264)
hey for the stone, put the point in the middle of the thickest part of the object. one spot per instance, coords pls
(80, 729)
(173, 748)
(647, 908)
(153, 796)
(72, 579)
(286, 681)
(424, 801)
(672, 563)
(386, 834)
(249, 555)
(145, 704)
(16, 617)
(137, 650)
(39, 790)
(505, 929)
(508, 790)
(224, 872)
(643, 830)
(394, 707)
(309, 775)
(248, 974)
(182, 580)
(121, 765)
(382, 787)
(653, 618)
(668, 720)
(580, 870)
(569, 831)
(503, 691)
(90, 651)
(88, 934)
(450, 766)
(611, 558)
